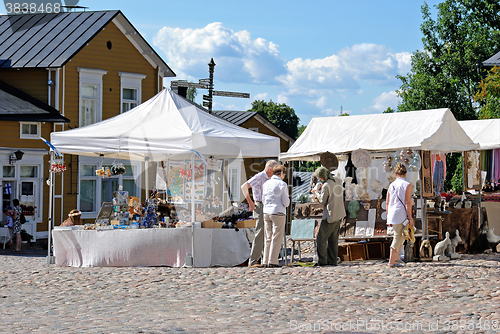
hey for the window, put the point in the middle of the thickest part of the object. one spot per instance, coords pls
(30, 130)
(88, 190)
(29, 171)
(90, 95)
(9, 171)
(233, 179)
(93, 189)
(89, 104)
(129, 99)
(131, 84)
(254, 129)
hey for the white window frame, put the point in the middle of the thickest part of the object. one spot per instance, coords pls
(30, 136)
(234, 168)
(98, 163)
(130, 81)
(89, 76)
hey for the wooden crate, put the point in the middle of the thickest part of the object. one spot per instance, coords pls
(357, 252)
(374, 250)
(344, 253)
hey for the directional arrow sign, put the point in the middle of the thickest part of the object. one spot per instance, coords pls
(206, 103)
(187, 84)
(231, 94)
(207, 98)
(204, 81)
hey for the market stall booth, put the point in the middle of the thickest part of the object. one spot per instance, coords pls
(368, 147)
(486, 133)
(167, 128)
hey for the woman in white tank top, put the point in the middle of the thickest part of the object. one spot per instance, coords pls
(398, 210)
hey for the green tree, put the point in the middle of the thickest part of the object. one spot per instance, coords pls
(444, 74)
(191, 94)
(389, 110)
(489, 95)
(280, 115)
(301, 129)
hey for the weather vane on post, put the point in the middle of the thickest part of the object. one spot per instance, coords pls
(206, 84)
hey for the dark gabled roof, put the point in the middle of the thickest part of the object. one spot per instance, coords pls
(51, 40)
(236, 117)
(47, 40)
(492, 61)
(19, 106)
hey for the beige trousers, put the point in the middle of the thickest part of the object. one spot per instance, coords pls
(274, 227)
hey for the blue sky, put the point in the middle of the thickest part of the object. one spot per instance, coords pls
(316, 57)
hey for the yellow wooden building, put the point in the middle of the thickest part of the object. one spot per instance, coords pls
(62, 71)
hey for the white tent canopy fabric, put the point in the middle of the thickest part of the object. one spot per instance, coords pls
(485, 132)
(161, 127)
(430, 130)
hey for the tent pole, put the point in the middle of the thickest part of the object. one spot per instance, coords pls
(50, 258)
(146, 177)
(193, 211)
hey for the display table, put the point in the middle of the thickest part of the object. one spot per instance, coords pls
(4, 235)
(150, 247)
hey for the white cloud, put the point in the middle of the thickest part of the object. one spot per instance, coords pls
(372, 63)
(282, 98)
(238, 56)
(383, 101)
(262, 97)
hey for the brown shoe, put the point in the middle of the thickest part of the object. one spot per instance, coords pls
(257, 265)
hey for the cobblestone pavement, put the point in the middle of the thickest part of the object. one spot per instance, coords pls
(366, 296)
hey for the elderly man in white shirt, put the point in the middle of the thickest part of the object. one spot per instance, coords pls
(256, 183)
(276, 199)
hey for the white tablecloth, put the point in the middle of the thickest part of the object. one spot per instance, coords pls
(4, 235)
(150, 247)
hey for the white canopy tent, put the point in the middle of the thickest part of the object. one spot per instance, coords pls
(485, 132)
(430, 130)
(434, 130)
(166, 125)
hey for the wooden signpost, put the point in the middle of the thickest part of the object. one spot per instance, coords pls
(208, 84)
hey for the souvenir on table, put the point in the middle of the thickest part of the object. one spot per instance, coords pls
(353, 208)
(360, 230)
(349, 190)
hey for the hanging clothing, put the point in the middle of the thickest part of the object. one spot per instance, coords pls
(438, 176)
(350, 170)
(442, 157)
(497, 165)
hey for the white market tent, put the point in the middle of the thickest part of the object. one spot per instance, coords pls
(163, 126)
(430, 130)
(434, 130)
(485, 132)
(166, 125)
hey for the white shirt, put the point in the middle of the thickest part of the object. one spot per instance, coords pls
(397, 210)
(256, 182)
(275, 196)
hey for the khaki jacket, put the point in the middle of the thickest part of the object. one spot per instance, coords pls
(332, 198)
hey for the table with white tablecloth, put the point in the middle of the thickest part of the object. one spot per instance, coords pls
(150, 247)
(4, 235)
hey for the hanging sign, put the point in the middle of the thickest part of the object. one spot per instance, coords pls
(213, 164)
